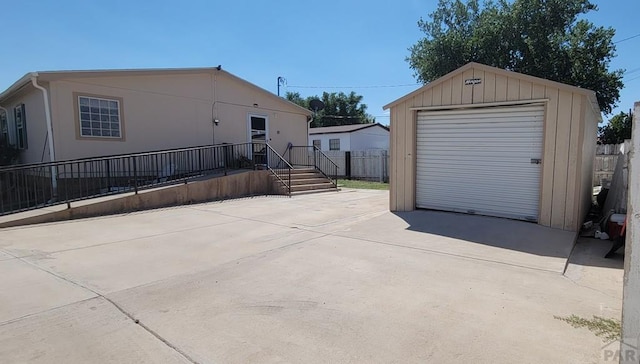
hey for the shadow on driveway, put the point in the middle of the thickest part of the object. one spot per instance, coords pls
(497, 232)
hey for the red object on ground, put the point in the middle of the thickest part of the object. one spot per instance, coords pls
(616, 230)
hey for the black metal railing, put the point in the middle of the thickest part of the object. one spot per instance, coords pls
(31, 186)
(279, 167)
(312, 157)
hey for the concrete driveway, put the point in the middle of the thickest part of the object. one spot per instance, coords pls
(323, 278)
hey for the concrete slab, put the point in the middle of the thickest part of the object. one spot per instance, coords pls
(493, 239)
(310, 211)
(590, 268)
(25, 290)
(54, 237)
(332, 277)
(91, 331)
(343, 300)
(117, 266)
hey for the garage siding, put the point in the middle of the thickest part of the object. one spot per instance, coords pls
(568, 115)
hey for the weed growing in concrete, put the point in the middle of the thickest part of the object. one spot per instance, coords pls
(606, 328)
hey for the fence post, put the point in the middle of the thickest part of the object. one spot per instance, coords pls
(386, 165)
(135, 175)
(106, 161)
(381, 175)
(315, 162)
(347, 164)
(225, 158)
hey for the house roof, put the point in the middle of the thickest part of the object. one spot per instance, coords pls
(500, 71)
(47, 76)
(344, 128)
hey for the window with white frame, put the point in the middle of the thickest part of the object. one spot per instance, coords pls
(20, 120)
(317, 143)
(334, 144)
(99, 117)
(4, 129)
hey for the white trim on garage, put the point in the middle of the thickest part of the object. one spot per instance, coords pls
(481, 160)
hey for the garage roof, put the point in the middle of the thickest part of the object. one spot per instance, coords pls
(470, 65)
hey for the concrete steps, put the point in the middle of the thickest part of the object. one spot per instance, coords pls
(307, 180)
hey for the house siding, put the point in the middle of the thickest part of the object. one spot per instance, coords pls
(37, 148)
(570, 127)
(375, 137)
(172, 111)
(345, 140)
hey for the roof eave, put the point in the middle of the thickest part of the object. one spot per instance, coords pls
(56, 75)
(469, 65)
(302, 110)
(23, 81)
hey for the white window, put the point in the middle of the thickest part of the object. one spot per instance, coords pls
(19, 117)
(99, 117)
(334, 144)
(317, 143)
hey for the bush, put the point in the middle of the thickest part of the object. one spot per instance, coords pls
(8, 154)
(617, 130)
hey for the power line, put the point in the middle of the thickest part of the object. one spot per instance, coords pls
(632, 71)
(375, 86)
(625, 39)
(631, 79)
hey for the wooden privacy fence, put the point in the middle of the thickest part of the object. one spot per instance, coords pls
(372, 165)
(605, 163)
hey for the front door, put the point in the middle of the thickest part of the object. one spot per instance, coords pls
(258, 134)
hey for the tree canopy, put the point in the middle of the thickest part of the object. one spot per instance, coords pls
(618, 129)
(339, 108)
(542, 38)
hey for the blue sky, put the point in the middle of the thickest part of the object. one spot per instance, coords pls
(331, 43)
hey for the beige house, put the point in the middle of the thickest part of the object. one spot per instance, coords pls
(76, 114)
(487, 141)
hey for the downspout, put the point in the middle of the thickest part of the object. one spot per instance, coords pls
(47, 114)
(214, 111)
(309, 121)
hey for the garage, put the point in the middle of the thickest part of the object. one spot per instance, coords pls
(483, 161)
(486, 141)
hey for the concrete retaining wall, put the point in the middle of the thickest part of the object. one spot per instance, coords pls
(630, 345)
(251, 183)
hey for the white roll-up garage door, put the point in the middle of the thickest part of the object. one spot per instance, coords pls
(483, 161)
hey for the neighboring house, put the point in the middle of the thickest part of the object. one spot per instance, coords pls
(350, 137)
(64, 115)
(487, 141)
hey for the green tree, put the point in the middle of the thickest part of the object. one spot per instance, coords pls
(542, 38)
(339, 108)
(617, 130)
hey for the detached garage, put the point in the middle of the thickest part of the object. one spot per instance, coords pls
(486, 141)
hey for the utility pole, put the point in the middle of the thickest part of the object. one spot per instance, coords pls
(281, 82)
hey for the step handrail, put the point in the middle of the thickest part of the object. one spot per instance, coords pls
(333, 178)
(326, 156)
(288, 167)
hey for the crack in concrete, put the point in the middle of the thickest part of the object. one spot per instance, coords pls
(117, 306)
(308, 229)
(591, 288)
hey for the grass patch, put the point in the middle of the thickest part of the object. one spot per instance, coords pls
(606, 328)
(367, 185)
